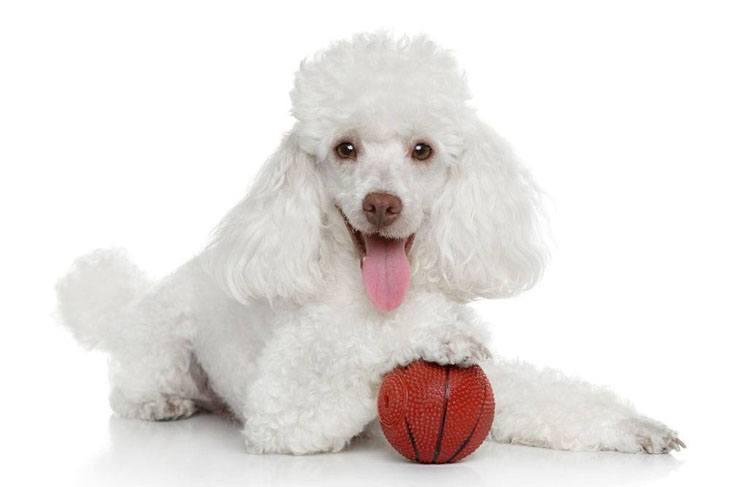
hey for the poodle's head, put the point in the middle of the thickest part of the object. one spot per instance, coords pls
(386, 138)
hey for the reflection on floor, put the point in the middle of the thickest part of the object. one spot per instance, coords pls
(207, 450)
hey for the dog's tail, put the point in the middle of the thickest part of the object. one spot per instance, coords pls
(95, 294)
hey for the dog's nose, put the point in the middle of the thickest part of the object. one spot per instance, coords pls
(381, 209)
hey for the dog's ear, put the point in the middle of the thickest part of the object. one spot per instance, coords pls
(484, 237)
(269, 245)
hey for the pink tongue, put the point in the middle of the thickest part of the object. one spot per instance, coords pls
(385, 271)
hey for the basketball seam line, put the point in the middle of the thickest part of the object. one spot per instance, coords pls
(468, 438)
(465, 442)
(413, 440)
(437, 450)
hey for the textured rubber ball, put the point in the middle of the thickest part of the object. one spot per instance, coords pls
(436, 414)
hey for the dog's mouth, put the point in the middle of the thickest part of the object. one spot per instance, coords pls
(386, 271)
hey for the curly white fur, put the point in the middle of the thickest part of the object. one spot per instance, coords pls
(271, 320)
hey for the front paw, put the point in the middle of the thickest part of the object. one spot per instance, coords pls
(451, 347)
(649, 436)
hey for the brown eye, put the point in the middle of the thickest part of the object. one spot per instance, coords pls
(346, 150)
(421, 151)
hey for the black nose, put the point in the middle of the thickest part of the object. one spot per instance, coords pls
(381, 209)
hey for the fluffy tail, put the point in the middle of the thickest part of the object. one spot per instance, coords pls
(95, 293)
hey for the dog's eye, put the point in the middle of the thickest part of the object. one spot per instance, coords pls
(421, 151)
(346, 150)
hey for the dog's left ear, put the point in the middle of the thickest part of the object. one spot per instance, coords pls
(485, 233)
(269, 246)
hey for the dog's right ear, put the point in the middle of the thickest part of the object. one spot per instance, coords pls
(269, 245)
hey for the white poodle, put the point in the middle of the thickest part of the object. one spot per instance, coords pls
(387, 207)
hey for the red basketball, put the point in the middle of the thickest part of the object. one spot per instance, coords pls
(436, 414)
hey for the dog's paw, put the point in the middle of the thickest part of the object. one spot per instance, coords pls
(452, 347)
(254, 446)
(648, 436)
(165, 408)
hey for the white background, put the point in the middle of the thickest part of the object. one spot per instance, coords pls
(139, 123)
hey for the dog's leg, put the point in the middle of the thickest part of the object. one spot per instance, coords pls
(156, 384)
(153, 370)
(314, 389)
(544, 408)
(146, 328)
